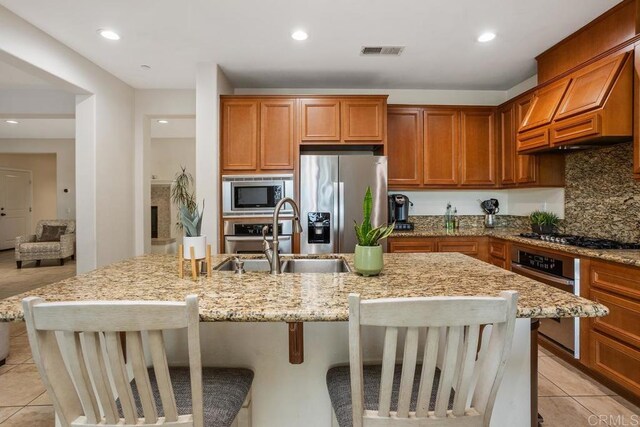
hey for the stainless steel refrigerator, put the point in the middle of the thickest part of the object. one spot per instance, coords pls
(331, 192)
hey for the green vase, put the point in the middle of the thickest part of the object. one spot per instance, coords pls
(368, 260)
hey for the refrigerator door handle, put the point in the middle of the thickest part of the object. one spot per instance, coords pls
(341, 216)
(335, 220)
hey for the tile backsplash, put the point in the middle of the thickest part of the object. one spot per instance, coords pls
(602, 198)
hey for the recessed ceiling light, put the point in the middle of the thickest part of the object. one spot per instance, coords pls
(12, 122)
(109, 34)
(163, 122)
(486, 37)
(299, 35)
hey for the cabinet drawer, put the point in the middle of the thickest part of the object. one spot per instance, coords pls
(498, 250)
(469, 247)
(616, 361)
(411, 245)
(530, 140)
(616, 278)
(623, 321)
(576, 128)
(498, 262)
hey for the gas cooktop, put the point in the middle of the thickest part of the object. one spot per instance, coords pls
(581, 241)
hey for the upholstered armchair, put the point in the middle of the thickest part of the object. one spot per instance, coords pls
(31, 248)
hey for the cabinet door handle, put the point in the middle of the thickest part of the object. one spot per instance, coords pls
(3, 214)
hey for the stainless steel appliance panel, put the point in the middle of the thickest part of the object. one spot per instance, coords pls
(241, 237)
(265, 190)
(356, 174)
(561, 272)
(319, 190)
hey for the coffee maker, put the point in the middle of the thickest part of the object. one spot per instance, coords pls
(399, 211)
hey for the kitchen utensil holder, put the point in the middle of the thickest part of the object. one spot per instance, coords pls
(196, 263)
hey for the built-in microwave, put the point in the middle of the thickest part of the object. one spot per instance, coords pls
(255, 195)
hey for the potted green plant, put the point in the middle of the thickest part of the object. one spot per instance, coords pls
(368, 257)
(189, 216)
(543, 222)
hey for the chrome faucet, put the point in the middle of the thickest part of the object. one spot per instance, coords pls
(272, 253)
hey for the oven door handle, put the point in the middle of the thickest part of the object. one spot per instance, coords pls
(253, 239)
(562, 283)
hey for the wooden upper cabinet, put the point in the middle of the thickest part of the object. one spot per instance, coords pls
(544, 105)
(526, 169)
(320, 119)
(363, 120)
(441, 146)
(404, 146)
(240, 134)
(506, 120)
(478, 147)
(277, 135)
(590, 86)
(526, 165)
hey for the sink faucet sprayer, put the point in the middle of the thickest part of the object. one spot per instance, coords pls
(273, 254)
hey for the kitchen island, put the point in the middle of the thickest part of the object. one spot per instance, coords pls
(247, 319)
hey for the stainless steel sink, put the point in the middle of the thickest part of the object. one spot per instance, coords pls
(259, 264)
(315, 265)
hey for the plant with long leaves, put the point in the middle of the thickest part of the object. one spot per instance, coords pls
(191, 220)
(365, 233)
(182, 197)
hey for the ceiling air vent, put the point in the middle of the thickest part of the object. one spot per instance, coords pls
(382, 50)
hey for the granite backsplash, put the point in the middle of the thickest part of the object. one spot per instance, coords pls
(429, 222)
(601, 198)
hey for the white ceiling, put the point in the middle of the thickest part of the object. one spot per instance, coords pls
(250, 39)
(38, 129)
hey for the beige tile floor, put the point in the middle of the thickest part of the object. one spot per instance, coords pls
(15, 281)
(567, 397)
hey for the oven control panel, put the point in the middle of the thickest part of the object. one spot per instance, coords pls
(541, 263)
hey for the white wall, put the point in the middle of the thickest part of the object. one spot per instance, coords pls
(104, 138)
(40, 101)
(150, 104)
(400, 96)
(522, 87)
(512, 202)
(168, 155)
(64, 149)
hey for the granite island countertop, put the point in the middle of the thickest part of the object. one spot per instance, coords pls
(628, 257)
(304, 297)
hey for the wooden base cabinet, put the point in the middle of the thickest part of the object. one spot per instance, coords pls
(476, 247)
(614, 341)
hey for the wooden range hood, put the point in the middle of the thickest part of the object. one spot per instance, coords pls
(591, 106)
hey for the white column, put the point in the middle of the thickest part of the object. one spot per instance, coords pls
(207, 148)
(86, 241)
